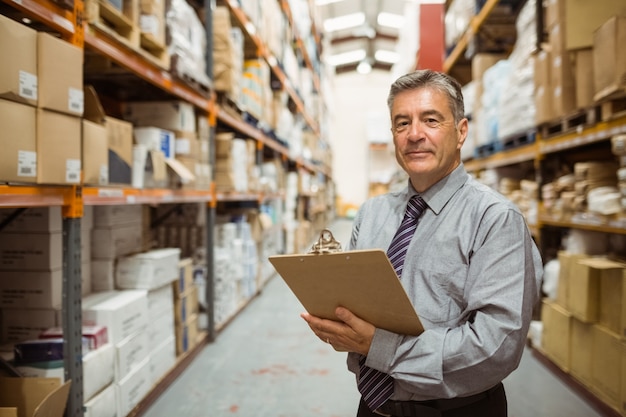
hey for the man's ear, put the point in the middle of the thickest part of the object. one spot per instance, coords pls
(461, 132)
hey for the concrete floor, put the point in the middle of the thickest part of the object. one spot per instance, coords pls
(267, 363)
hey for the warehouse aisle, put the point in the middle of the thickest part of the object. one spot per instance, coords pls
(267, 363)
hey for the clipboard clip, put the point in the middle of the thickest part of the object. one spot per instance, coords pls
(325, 244)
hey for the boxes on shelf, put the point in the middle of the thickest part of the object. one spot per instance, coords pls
(581, 351)
(168, 115)
(148, 270)
(95, 154)
(100, 405)
(19, 324)
(60, 72)
(18, 159)
(32, 252)
(162, 358)
(31, 289)
(58, 148)
(133, 388)
(557, 331)
(606, 366)
(33, 220)
(609, 58)
(18, 63)
(119, 138)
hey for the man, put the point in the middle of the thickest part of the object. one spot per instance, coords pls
(471, 270)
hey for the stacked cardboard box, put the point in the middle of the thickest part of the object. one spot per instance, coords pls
(585, 326)
(186, 307)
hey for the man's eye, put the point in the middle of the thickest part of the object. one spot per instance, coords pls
(401, 125)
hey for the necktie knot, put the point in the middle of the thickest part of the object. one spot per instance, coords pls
(415, 207)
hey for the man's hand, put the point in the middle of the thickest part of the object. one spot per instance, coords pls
(348, 334)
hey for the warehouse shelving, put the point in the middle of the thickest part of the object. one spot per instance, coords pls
(72, 27)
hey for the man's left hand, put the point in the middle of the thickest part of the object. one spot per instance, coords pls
(348, 333)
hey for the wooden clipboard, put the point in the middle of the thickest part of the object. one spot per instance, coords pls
(362, 281)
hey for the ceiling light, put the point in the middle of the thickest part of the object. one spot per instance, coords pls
(391, 20)
(387, 56)
(364, 67)
(346, 57)
(344, 22)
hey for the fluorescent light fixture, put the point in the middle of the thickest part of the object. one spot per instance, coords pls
(325, 2)
(344, 22)
(391, 20)
(346, 57)
(390, 57)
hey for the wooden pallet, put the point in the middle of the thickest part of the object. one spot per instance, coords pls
(488, 149)
(571, 122)
(104, 17)
(613, 108)
(519, 139)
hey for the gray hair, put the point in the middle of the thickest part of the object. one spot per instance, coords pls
(431, 79)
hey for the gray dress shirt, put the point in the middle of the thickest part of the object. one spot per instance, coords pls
(473, 274)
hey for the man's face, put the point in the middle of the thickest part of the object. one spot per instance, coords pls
(426, 139)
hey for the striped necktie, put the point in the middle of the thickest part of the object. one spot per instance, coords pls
(375, 386)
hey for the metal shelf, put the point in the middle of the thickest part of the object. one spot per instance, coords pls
(111, 195)
(262, 50)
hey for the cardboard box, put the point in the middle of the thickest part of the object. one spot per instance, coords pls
(481, 62)
(113, 242)
(186, 306)
(30, 289)
(584, 290)
(20, 324)
(162, 358)
(606, 367)
(185, 277)
(133, 388)
(609, 58)
(543, 91)
(95, 161)
(148, 270)
(60, 71)
(117, 215)
(187, 335)
(32, 252)
(18, 159)
(161, 301)
(103, 404)
(612, 308)
(119, 138)
(563, 84)
(130, 352)
(18, 62)
(169, 115)
(161, 327)
(580, 18)
(567, 263)
(34, 397)
(58, 148)
(98, 370)
(124, 313)
(581, 351)
(557, 331)
(583, 77)
(34, 219)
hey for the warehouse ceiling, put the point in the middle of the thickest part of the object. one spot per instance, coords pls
(361, 32)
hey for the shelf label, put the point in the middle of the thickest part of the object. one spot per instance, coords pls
(26, 164)
(76, 103)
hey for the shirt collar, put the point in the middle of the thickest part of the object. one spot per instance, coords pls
(441, 192)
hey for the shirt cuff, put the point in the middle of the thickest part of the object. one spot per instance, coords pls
(383, 350)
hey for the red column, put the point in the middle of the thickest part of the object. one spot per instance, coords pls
(431, 51)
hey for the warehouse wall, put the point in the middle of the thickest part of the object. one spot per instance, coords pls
(355, 97)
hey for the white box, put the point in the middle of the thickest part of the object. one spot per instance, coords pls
(19, 324)
(156, 139)
(162, 359)
(129, 353)
(170, 115)
(31, 289)
(111, 242)
(98, 370)
(122, 312)
(148, 270)
(161, 300)
(102, 275)
(160, 328)
(133, 388)
(34, 219)
(103, 404)
(115, 215)
(34, 251)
